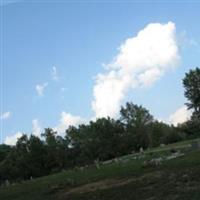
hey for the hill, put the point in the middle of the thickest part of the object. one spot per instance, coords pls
(170, 172)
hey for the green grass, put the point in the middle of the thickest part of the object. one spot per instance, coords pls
(177, 179)
(178, 145)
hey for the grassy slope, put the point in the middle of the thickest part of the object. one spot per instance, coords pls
(174, 179)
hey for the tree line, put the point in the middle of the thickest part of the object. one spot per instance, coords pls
(99, 140)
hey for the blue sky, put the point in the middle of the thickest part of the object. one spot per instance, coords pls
(62, 45)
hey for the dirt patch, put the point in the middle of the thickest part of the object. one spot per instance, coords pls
(106, 184)
(99, 185)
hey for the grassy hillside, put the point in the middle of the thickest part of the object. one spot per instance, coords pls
(154, 175)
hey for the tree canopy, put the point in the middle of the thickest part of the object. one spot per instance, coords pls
(191, 84)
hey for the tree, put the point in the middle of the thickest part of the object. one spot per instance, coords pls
(108, 135)
(4, 151)
(54, 151)
(191, 83)
(158, 133)
(137, 121)
(191, 128)
(101, 140)
(134, 115)
(36, 156)
(16, 164)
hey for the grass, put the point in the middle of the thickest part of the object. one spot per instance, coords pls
(176, 179)
(178, 145)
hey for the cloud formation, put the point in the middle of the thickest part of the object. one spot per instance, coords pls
(5, 115)
(11, 140)
(180, 115)
(40, 89)
(67, 120)
(185, 41)
(141, 61)
(54, 73)
(36, 127)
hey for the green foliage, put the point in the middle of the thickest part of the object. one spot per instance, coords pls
(191, 128)
(137, 122)
(133, 115)
(159, 133)
(17, 163)
(173, 136)
(99, 140)
(191, 83)
(4, 151)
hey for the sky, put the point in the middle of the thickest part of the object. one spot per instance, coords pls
(67, 62)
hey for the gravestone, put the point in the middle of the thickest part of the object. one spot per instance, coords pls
(141, 150)
(195, 145)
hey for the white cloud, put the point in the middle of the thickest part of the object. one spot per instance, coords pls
(36, 127)
(54, 73)
(11, 140)
(180, 115)
(141, 61)
(185, 41)
(66, 120)
(40, 89)
(5, 115)
(63, 89)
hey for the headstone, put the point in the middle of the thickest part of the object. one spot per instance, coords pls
(97, 164)
(81, 168)
(162, 145)
(195, 145)
(7, 183)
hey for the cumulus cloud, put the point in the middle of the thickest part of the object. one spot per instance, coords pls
(141, 61)
(40, 89)
(67, 120)
(36, 127)
(181, 115)
(54, 73)
(11, 140)
(5, 115)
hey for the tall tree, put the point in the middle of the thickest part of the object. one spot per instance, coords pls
(36, 156)
(137, 122)
(191, 83)
(51, 158)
